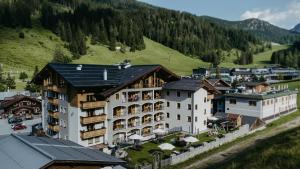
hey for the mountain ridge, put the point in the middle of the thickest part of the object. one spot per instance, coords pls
(260, 28)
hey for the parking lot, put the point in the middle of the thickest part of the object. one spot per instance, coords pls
(5, 128)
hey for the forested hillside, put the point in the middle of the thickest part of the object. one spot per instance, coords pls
(123, 23)
(288, 57)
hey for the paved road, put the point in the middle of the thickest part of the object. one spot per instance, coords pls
(5, 128)
(237, 148)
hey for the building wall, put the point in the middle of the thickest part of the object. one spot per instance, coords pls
(197, 115)
(119, 135)
(242, 107)
(264, 108)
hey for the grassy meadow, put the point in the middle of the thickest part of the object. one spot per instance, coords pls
(278, 152)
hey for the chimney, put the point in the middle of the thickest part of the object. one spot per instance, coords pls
(79, 67)
(105, 74)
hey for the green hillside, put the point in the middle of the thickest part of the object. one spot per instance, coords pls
(17, 54)
(37, 48)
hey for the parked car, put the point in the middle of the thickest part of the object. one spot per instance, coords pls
(14, 120)
(19, 126)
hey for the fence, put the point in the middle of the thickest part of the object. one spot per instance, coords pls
(175, 159)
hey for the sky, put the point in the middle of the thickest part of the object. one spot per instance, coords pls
(283, 13)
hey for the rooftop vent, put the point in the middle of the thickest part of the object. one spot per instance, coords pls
(105, 74)
(79, 67)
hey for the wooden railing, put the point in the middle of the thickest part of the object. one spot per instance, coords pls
(91, 134)
(57, 89)
(118, 127)
(54, 128)
(53, 101)
(54, 114)
(92, 119)
(92, 105)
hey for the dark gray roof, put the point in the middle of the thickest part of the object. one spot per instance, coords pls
(242, 73)
(92, 75)
(184, 84)
(30, 152)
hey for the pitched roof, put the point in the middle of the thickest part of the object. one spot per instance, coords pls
(184, 84)
(253, 84)
(30, 152)
(262, 96)
(93, 75)
(8, 101)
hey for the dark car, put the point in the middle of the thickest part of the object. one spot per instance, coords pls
(19, 126)
(14, 120)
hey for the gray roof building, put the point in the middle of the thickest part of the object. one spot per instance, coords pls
(30, 152)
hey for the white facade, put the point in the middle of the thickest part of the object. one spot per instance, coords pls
(266, 108)
(188, 110)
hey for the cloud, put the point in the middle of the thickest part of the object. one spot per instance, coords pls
(274, 16)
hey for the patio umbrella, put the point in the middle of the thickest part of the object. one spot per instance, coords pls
(166, 146)
(159, 131)
(190, 139)
(136, 137)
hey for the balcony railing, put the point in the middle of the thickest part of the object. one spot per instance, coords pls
(53, 101)
(56, 89)
(133, 98)
(54, 128)
(54, 114)
(133, 124)
(147, 121)
(93, 119)
(91, 134)
(158, 107)
(93, 105)
(147, 109)
(147, 97)
(118, 127)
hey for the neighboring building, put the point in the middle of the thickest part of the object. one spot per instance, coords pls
(188, 105)
(263, 105)
(21, 106)
(102, 104)
(219, 100)
(200, 73)
(30, 152)
(254, 87)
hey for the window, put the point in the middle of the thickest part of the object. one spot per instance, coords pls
(90, 98)
(168, 115)
(97, 139)
(189, 94)
(168, 93)
(264, 102)
(178, 116)
(252, 103)
(204, 111)
(196, 107)
(117, 96)
(178, 105)
(189, 107)
(189, 119)
(167, 125)
(232, 101)
(204, 122)
(196, 119)
(272, 101)
(178, 94)
(90, 141)
(168, 104)
(268, 102)
(204, 99)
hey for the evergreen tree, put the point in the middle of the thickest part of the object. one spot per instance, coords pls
(36, 71)
(10, 82)
(23, 76)
(59, 56)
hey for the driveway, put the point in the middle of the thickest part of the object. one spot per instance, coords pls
(5, 128)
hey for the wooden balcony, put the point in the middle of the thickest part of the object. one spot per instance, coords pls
(54, 114)
(210, 96)
(54, 128)
(118, 127)
(57, 89)
(53, 101)
(93, 105)
(91, 134)
(93, 119)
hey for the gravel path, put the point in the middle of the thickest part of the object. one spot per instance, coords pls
(237, 148)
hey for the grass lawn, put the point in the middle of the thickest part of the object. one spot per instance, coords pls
(139, 157)
(280, 151)
(269, 127)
